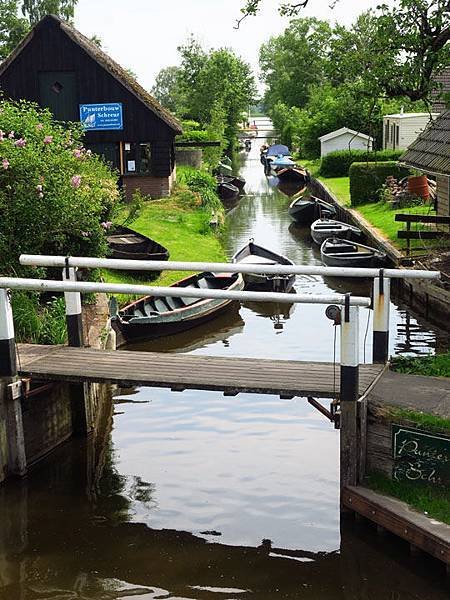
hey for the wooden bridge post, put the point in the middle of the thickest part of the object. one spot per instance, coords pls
(349, 391)
(12, 443)
(381, 305)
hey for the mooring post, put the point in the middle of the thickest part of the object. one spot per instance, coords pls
(12, 442)
(73, 310)
(349, 391)
(8, 363)
(79, 392)
(381, 305)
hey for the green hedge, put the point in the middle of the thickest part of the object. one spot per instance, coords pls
(366, 179)
(337, 163)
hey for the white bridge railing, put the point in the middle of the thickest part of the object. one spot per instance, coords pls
(345, 313)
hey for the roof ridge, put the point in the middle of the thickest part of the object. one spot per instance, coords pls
(108, 63)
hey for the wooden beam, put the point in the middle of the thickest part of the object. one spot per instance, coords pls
(396, 516)
(196, 144)
(421, 219)
(422, 235)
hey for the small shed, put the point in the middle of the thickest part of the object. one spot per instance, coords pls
(61, 69)
(401, 129)
(344, 139)
(430, 153)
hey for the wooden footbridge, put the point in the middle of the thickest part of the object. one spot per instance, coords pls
(179, 371)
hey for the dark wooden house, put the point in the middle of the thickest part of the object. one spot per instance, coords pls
(59, 68)
(430, 153)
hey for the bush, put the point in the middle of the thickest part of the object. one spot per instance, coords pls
(337, 163)
(204, 184)
(367, 179)
(55, 197)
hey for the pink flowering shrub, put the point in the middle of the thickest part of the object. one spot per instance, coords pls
(52, 191)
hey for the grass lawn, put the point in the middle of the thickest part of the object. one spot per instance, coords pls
(437, 365)
(184, 231)
(435, 502)
(379, 214)
(340, 186)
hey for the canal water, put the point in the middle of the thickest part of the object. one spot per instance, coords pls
(197, 495)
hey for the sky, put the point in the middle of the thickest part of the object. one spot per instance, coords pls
(143, 35)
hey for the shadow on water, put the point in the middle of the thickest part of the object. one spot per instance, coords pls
(78, 541)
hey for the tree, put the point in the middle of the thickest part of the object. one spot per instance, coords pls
(215, 81)
(168, 89)
(402, 45)
(12, 27)
(34, 10)
(293, 61)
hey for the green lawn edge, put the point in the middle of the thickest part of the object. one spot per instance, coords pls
(433, 502)
(183, 230)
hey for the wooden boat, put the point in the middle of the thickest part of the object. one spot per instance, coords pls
(268, 155)
(253, 254)
(128, 244)
(152, 317)
(227, 191)
(235, 180)
(306, 210)
(344, 253)
(328, 228)
(294, 174)
(291, 189)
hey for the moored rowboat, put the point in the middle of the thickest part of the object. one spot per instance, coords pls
(328, 228)
(126, 244)
(344, 253)
(152, 317)
(306, 210)
(252, 254)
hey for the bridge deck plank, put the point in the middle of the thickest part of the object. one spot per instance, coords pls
(295, 378)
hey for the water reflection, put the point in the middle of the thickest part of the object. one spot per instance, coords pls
(195, 495)
(79, 541)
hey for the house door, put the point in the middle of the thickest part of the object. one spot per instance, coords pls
(58, 92)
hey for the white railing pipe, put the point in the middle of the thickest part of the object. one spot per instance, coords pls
(85, 262)
(45, 285)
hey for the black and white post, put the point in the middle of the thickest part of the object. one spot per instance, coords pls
(381, 304)
(349, 391)
(8, 363)
(73, 311)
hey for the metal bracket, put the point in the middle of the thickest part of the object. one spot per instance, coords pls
(15, 390)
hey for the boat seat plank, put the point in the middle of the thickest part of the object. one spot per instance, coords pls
(174, 303)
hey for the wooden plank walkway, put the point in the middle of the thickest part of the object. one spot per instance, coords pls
(181, 371)
(396, 516)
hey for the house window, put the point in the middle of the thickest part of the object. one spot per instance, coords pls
(393, 136)
(386, 134)
(397, 134)
(137, 158)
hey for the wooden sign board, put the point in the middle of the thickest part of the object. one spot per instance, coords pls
(420, 456)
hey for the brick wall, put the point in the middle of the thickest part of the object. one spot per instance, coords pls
(155, 187)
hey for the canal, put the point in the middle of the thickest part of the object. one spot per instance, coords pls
(197, 495)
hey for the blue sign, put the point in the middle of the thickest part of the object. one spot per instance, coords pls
(101, 116)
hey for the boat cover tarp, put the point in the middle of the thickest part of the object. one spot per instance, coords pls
(278, 149)
(283, 161)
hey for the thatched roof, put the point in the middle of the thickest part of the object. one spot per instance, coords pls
(430, 152)
(106, 62)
